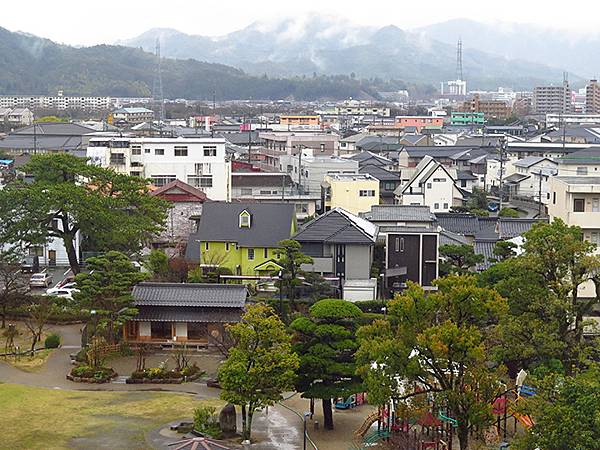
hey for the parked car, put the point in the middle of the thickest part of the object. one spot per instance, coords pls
(40, 280)
(62, 292)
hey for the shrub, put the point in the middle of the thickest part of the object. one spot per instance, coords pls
(154, 372)
(368, 318)
(508, 212)
(480, 212)
(137, 374)
(206, 421)
(52, 341)
(191, 370)
(371, 306)
(83, 371)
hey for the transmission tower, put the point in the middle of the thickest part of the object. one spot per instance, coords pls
(459, 68)
(157, 89)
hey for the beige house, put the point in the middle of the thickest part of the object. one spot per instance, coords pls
(356, 193)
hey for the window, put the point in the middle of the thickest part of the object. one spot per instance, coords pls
(210, 150)
(36, 251)
(202, 181)
(181, 150)
(582, 171)
(301, 208)
(161, 180)
(439, 180)
(554, 198)
(136, 164)
(436, 206)
(160, 330)
(595, 238)
(250, 254)
(445, 205)
(596, 205)
(428, 185)
(206, 246)
(136, 149)
(262, 192)
(117, 159)
(366, 193)
(226, 246)
(266, 253)
(245, 219)
(146, 150)
(389, 185)
(246, 191)
(578, 205)
(197, 331)
(463, 183)
(159, 151)
(135, 174)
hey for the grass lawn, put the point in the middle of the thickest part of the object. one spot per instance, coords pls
(55, 419)
(29, 363)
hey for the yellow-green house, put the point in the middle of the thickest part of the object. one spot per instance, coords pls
(242, 237)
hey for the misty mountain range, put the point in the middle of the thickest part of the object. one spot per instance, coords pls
(493, 56)
(304, 58)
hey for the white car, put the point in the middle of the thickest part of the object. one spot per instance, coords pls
(62, 292)
(40, 280)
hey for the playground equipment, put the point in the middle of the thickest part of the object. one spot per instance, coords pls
(350, 402)
(445, 418)
(369, 420)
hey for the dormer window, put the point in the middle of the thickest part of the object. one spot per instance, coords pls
(245, 219)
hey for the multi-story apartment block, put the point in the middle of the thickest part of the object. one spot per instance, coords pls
(492, 109)
(552, 99)
(131, 116)
(592, 97)
(356, 193)
(54, 102)
(299, 120)
(199, 162)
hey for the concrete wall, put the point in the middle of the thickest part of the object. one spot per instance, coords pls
(358, 262)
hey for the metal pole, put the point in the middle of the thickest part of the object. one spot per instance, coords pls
(502, 144)
(304, 433)
(300, 169)
(540, 194)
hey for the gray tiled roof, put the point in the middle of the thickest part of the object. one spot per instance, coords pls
(485, 247)
(338, 226)
(465, 224)
(379, 172)
(187, 314)
(399, 213)
(579, 180)
(270, 223)
(189, 295)
(510, 228)
(449, 238)
(586, 156)
(256, 179)
(529, 161)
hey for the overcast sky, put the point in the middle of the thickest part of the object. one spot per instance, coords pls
(106, 21)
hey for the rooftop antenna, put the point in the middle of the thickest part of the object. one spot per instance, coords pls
(459, 67)
(157, 90)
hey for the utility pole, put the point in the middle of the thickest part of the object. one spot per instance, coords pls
(502, 144)
(300, 169)
(540, 194)
(34, 138)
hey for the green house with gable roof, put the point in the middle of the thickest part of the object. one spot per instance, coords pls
(242, 237)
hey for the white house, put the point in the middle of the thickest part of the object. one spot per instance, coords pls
(200, 162)
(532, 176)
(432, 184)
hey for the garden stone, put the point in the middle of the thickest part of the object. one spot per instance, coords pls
(228, 420)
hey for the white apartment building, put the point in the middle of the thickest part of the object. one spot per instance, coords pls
(199, 162)
(54, 102)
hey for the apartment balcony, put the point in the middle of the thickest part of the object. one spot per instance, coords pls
(585, 220)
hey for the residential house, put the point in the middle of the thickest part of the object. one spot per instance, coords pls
(265, 187)
(242, 237)
(388, 181)
(321, 143)
(583, 162)
(15, 117)
(193, 314)
(198, 161)
(309, 171)
(411, 255)
(46, 138)
(355, 193)
(184, 213)
(433, 185)
(532, 175)
(373, 159)
(341, 245)
(392, 217)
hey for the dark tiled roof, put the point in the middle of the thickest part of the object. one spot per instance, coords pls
(55, 129)
(510, 228)
(529, 161)
(485, 247)
(189, 295)
(449, 238)
(173, 186)
(187, 314)
(338, 226)
(380, 173)
(465, 224)
(270, 223)
(399, 213)
(516, 178)
(465, 175)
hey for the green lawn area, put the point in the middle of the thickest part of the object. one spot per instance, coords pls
(56, 419)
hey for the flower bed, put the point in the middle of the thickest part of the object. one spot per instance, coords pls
(159, 375)
(88, 374)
